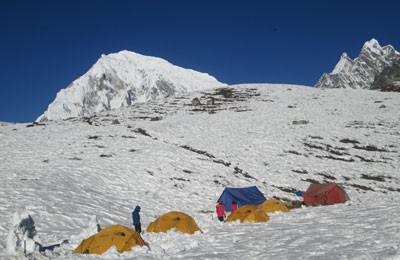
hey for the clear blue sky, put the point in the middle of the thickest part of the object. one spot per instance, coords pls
(45, 45)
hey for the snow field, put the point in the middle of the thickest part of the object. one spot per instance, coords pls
(68, 172)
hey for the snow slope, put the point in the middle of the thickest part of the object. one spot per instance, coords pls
(168, 155)
(121, 79)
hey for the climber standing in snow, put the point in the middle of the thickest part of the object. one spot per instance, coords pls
(136, 219)
(220, 211)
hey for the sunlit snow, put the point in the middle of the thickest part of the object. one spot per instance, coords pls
(168, 155)
(121, 79)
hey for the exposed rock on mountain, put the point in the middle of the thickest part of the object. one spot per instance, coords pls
(388, 79)
(121, 79)
(360, 72)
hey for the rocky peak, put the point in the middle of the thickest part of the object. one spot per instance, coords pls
(372, 44)
(344, 65)
(360, 72)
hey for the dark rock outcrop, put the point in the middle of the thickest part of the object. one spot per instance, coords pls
(388, 79)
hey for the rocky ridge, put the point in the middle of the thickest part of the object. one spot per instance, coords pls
(361, 72)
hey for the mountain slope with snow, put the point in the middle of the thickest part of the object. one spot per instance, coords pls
(167, 155)
(360, 72)
(122, 79)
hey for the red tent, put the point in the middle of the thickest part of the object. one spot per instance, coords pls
(324, 194)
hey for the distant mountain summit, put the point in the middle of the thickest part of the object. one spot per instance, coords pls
(122, 79)
(361, 72)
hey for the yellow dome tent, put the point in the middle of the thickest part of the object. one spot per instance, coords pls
(272, 205)
(123, 238)
(248, 213)
(174, 219)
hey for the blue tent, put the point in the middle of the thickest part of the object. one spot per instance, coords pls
(243, 196)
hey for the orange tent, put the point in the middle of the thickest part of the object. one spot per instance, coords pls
(248, 213)
(272, 205)
(123, 238)
(324, 194)
(174, 219)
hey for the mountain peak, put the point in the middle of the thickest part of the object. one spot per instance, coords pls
(360, 72)
(372, 44)
(344, 64)
(122, 79)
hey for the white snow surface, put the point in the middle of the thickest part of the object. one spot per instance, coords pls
(121, 79)
(166, 155)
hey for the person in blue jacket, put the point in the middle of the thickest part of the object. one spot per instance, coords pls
(136, 219)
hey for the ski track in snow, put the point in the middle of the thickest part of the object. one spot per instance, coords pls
(65, 173)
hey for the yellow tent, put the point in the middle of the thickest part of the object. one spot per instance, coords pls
(123, 238)
(174, 219)
(248, 213)
(272, 205)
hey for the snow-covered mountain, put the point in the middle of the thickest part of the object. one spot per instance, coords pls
(168, 155)
(360, 72)
(122, 79)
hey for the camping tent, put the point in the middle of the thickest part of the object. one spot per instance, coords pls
(243, 196)
(272, 205)
(123, 238)
(324, 194)
(248, 213)
(174, 219)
